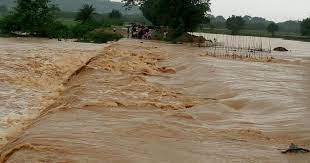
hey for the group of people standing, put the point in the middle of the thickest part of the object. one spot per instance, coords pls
(139, 32)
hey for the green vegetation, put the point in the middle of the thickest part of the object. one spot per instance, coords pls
(100, 37)
(235, 24)
(81, 29)
(41, 18)
(305, 27)
(156, 12)
(26, 18)
(178, 15)
(272, 28)
(256, 26)
(44, 20)
(115, 14)
(86, 31)
(254, 23)
(85, 14)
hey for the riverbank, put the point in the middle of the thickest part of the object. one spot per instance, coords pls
(155, 102)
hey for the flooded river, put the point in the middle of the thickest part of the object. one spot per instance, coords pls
(31, 75)
(146, 101)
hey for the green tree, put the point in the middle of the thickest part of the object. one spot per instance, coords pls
(235, 24)
(180, 15)
(86, 13)
(289, 26)
(115, 14)
(150, 10)
(272, 28)
(216, 22)
(31, 16)
(305, 27)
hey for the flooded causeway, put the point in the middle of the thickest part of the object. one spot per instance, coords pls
(135, 101)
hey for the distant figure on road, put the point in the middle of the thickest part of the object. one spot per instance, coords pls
(128, 31)
(165, 34)
(215, 41)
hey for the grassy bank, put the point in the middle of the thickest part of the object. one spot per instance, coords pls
(258, 33)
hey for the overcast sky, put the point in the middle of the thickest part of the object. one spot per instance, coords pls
(275, 10)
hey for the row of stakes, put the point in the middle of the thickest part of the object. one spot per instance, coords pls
(240, 47)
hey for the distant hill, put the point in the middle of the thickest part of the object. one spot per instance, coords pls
(102, 6)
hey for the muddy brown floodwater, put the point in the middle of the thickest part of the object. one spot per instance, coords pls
(149, 102)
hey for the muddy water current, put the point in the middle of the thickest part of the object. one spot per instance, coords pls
(135, 101)
(31, 75)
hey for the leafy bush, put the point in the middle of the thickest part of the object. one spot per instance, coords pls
(101, 37)
(108, 22)
(81, 29)
(58, 30)
(55, 29)
(9, 24)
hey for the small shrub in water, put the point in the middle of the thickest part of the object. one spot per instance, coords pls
(101, 37)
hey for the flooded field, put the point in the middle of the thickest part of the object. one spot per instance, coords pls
(149, 102)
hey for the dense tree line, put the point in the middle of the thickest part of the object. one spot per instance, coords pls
(39, 18)
(256, 23)
(259, 24)
(305, 27)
